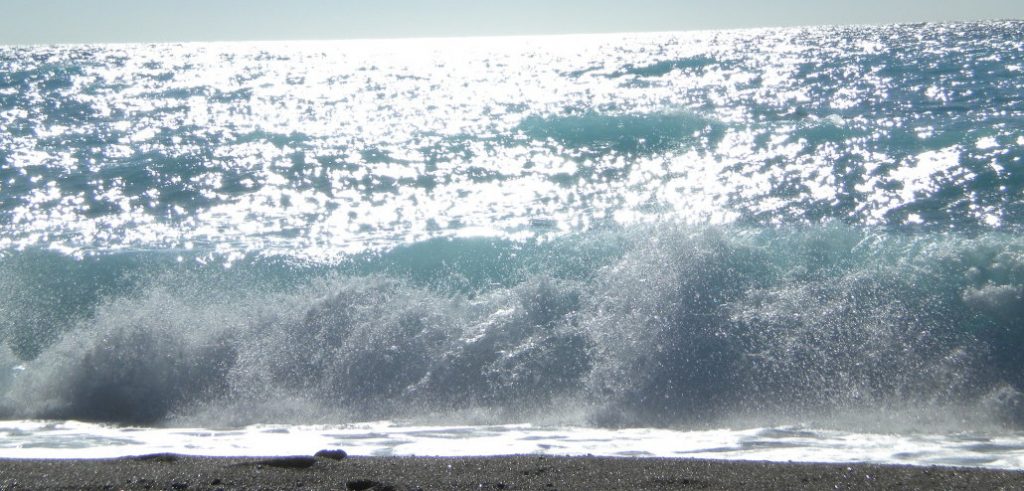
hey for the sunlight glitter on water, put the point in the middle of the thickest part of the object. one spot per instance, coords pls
(333, 147)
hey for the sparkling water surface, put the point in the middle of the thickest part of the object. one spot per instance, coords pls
(317, 149)
(781, 244)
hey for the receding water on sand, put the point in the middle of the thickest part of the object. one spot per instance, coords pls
(34, 440)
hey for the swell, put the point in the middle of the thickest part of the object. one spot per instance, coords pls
(654, 325)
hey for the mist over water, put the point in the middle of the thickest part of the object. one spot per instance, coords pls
(802, 226)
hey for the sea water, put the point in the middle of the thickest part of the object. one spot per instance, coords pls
(783, 244)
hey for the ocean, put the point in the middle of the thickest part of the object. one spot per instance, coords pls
(777, 244)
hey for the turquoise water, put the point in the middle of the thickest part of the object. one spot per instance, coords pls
(760, 227)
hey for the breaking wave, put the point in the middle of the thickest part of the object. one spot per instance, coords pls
(652, 325)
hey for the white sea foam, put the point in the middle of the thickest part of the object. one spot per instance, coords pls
(70, 439)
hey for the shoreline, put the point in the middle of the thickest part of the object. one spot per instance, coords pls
(179, 472)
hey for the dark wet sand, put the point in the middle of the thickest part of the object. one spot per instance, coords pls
(514, 472)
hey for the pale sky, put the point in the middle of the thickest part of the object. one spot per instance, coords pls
(75, 21)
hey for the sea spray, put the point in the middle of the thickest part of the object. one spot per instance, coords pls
(680, 326)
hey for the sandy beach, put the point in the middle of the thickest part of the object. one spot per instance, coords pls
(175, 472)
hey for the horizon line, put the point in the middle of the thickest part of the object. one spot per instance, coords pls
(504, 36)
